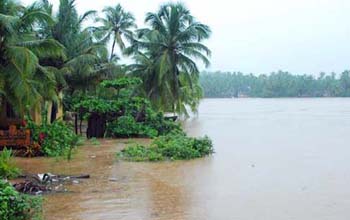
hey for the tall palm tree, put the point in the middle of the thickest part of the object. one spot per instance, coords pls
(116, 25)
(174, 44)
(87, 59)
(21, 49)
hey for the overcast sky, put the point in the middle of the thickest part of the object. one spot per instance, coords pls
(261, 36)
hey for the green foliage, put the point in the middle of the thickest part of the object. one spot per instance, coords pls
(8, 169)
(125, 116)
(44, 53)
(56, 139)
(117, 25)
(70, 101)
(107, 102)
(87, 58)
(157, 121)
(126, 126)
(16, 206)
(97, 105)
(280, 84)
(174, 146)
(81, 141)
(21, 54)
(153, 125)
(120, 83)
(165, 55)
(95, 142)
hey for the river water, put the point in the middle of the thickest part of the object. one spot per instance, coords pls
(275, 159)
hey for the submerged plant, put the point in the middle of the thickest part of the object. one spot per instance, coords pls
(95, 142)
(174, 146)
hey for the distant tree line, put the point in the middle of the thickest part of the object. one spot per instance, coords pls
(276, 84)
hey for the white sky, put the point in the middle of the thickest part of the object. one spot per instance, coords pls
(261, 36)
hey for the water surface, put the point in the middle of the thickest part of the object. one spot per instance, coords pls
(275, 159)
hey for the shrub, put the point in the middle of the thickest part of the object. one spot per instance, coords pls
(56, 139)
(126, 126)
(174, 146)
(16, 206)
(159, 123)
(8, 169)
(154, 125)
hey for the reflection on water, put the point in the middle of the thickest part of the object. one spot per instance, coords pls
(275, 159)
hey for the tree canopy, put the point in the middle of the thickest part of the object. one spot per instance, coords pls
(44, 53)
(279, 84)
(22, 51)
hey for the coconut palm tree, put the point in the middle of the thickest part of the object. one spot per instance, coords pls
(173, 43)
(21, 50)
(117, 26)
(87, 60)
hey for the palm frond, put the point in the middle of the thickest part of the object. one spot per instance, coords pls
(87, 15)
(46, 48)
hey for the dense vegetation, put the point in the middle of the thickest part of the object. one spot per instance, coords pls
(280, 84)
(174, 146)
(50, 58)
(118, 113)
(22, 52)
(44, 54)
(153, 125)
(55, 139)
(16, 206)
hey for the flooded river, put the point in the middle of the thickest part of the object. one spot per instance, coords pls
(275, 159)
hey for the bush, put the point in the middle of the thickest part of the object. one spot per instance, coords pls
(126, 126)
(56, 139)
(16, 206)
(174, 146)
(154, 125)
(159, 123)
(8, 169)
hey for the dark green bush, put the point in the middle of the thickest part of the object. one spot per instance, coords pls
(154, 125)
(157, 121)
(8, 169)
(16, 206)
(126, 126)
(174, 146)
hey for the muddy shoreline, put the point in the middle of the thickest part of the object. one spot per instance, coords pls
(95, 159)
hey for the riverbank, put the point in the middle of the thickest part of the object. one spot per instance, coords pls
(96, 159)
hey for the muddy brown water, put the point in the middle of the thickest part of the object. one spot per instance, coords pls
(275, 159)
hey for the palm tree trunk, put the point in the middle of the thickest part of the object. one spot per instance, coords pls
(112, 52)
